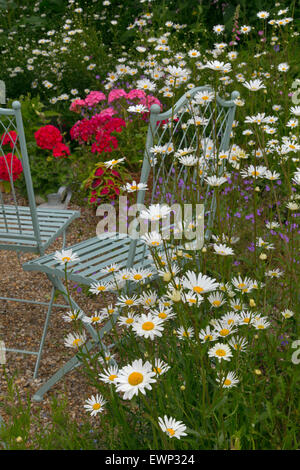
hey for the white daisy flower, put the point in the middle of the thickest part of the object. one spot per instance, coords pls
(112, 163)
(160, 367)
(199, 283)
(109, 375)
(148, 326)
(75, 340)
(287, 313)
(73, 315)
(207, 334)
(98, 287)
(184, 333)
(155, 212)
(134, 186)
(134, 378)
(127, 301)
(238, 343)
(254, 85)
(261, 323)
(222, 329)
(228, 381)
(223, 250)
(95, 404)
(172, 427)
(220, 351)
(94, 319)
(66, 256)
(152, 239)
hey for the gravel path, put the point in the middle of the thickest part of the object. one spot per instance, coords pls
(21, 325)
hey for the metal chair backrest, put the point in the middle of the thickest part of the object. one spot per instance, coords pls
(206, 129)
(19, 226)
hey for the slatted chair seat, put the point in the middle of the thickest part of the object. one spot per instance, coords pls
(94, 255)
(16, 227)
(175, 129)
(24, 229)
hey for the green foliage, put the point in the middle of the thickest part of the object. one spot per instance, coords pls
(25, 428)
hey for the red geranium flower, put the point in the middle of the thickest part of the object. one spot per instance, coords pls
(10, 167)
(47, 137)
(60, 150)
(9, 138)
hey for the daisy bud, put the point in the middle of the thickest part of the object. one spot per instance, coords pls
(167, 277)
(182, 387)
(175, 296)
(257, 189)
(263, 256)
(257, 371)
(252, 303)
(204, 250)
(179, 253)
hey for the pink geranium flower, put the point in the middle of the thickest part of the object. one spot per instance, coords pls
(116, 94)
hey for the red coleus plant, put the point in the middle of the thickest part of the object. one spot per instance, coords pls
(102, 184)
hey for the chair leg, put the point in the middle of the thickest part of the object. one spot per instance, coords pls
(73, 362)
(57, 283)
(44, 333)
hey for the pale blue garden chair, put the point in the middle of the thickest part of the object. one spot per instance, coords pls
(171, 127)
(25, 228)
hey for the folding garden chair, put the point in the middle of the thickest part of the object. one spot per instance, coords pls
(22, 228)
(177, 129)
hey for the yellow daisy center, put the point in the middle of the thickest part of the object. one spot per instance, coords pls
(76, 342)
(129, 302)
(148, 325)
(95, 319)
(162, 315)
(135, 378)
(171, 431)
(246, 320)
(224, 332)
(230, 321)
(221, 352)
(241, 285)
(208, 338)
(66, 259)
(227, 382)
(217, 303)
(112, 377)
(261, 327)
(96, 406)
(137, 277)
(198, 289)
(101, 288)
(129, 321)
(157, 370)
